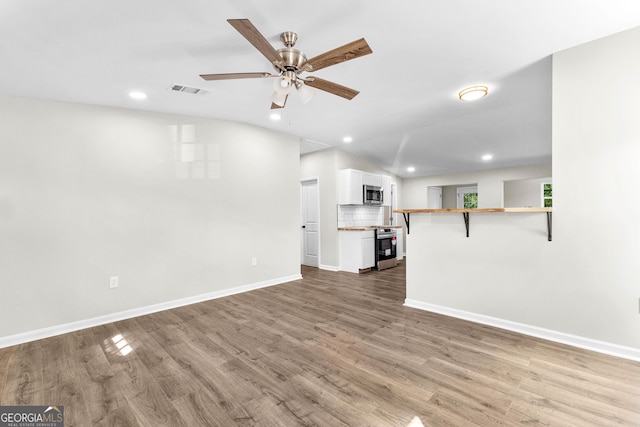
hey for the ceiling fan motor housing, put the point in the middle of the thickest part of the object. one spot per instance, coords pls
(292, 59)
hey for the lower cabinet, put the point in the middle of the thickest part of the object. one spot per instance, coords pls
(357, 250)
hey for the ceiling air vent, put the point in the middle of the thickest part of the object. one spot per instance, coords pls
(188, 89)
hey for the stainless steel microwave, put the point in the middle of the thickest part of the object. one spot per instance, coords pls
(372, 195)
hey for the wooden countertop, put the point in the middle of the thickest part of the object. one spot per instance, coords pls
(479, 210)
(367, 228)
(406, 213)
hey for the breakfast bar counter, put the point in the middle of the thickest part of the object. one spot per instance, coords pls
(466, 211)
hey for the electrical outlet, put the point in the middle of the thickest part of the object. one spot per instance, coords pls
(113, 282)
(254, 261)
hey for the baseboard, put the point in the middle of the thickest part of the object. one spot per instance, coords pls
(534, 331)
(329, 267)
(128, 314)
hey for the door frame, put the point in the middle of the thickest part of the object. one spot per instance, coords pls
(315, 179)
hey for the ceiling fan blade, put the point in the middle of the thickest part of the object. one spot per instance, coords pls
(230, 76)
(275, 106)
(251, 33)
(344, 53)
(331, 87)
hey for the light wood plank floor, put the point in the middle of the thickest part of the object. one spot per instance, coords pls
(334, 349)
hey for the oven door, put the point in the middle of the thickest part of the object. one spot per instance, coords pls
(385, 249)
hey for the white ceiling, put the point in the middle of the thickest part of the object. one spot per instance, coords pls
(407, 113)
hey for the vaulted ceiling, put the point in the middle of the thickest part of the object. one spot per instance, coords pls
(407, 112)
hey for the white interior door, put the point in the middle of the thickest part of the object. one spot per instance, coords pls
(434, 198)
(310, 226)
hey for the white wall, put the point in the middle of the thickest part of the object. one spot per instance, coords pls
(87, 193)
(584, 286)
(524, 192)
(450, 195)
(596, 147)
(325, 165)
(321, 164)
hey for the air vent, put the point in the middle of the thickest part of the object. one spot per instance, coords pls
(188, 89)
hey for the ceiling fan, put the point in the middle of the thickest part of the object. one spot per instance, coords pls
(290, 63)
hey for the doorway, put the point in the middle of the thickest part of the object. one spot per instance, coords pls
(310, 225)
(434, 198)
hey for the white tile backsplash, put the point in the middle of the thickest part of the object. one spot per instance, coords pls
(359, 216)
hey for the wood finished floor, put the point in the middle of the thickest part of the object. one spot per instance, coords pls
(334, 349)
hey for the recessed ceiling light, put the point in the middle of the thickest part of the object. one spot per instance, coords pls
(137, 95)
(275, 116)
(487, 157)
(411, 169)
(472, 93)
(347, 139)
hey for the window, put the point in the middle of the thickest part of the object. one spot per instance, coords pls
(470, 200)
(547, 195)
(467, 197)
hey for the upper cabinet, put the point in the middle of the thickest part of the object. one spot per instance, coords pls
(386, 188)
(370, 179)
(351, 182)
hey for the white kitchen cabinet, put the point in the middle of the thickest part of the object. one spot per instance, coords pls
(368, 249)
(350, 187)
(385, 183)
(371, 179)
(399, 244)
(357, 250)
(350, 182)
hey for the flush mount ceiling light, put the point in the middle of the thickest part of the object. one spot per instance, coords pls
(411, 169)
(347, 139)
(487, 157)
(275, 116)
(472, 93)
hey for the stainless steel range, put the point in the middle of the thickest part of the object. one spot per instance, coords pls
(385, 248)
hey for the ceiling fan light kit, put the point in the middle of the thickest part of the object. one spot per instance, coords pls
(282, 84)
(304, 92)
(289, 63)
(472, 93)
(279, 98)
